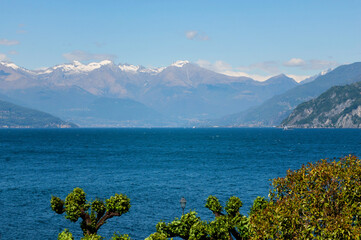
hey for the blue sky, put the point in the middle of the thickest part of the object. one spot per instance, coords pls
(254, 38)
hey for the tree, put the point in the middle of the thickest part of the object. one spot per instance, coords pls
(191, 227)
(93, 214)
(318, 201)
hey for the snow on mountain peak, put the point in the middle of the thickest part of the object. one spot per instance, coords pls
(180, 63)
(78, 67)
(326, 71)
(10, 65)
(152, 70)
(135, 69)
(128, 68)
(77, 63)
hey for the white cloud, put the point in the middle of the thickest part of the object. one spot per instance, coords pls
(7, 42)
(3, 57)
(226, 69)
(195, 35)
(191, 34)
(263, 70)
(321, 64)
(79, 55)
(269, 67)
(218, 66)
(295, 62)
(313, 64)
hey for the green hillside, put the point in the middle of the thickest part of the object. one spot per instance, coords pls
(338, 107)
(15, 116)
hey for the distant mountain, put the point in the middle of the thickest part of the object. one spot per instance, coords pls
(190, 91)
(338, 107)
(14, 116)
(277, 108)
(77, 105)
(310, 79)
(281, 80)
(168, 96)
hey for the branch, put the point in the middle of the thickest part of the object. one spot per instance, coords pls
(106, 216)
(218, 214)
(235, 234)
(85, 216)
(99, 215)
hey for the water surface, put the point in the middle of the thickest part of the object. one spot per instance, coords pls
(153, 167)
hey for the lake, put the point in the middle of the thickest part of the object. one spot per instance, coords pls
(153, 167)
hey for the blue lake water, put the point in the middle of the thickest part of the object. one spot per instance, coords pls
(153, 167)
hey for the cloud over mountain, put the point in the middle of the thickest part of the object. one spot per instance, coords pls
(313, 64)
(79, 55)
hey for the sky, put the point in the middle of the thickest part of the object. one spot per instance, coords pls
(239, 38)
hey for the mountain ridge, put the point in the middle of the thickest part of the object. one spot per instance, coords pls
(181, 92)
(338, 107)
(277, 108)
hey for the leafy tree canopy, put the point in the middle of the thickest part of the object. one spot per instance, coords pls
(190, 226)
(321, 200)
(93, 213)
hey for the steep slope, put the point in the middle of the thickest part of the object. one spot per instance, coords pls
(274, 110)
(15, 116)
(338, 107)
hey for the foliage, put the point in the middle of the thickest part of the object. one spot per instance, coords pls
(259, 204)
(118, 204)
(318, 201)
(233, 205)
(213, 204)
(118, 236)
(191, 227)
(92, 237)
(93, 213)
(157, 236)
(65, 235)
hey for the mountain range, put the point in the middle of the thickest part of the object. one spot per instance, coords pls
(274, 110)
(106, 94)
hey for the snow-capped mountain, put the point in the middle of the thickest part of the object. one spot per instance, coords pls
(182, 90)
(310, 79)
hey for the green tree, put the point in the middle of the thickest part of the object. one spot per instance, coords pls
(318, 201)
(93, 214)
(191, 227)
